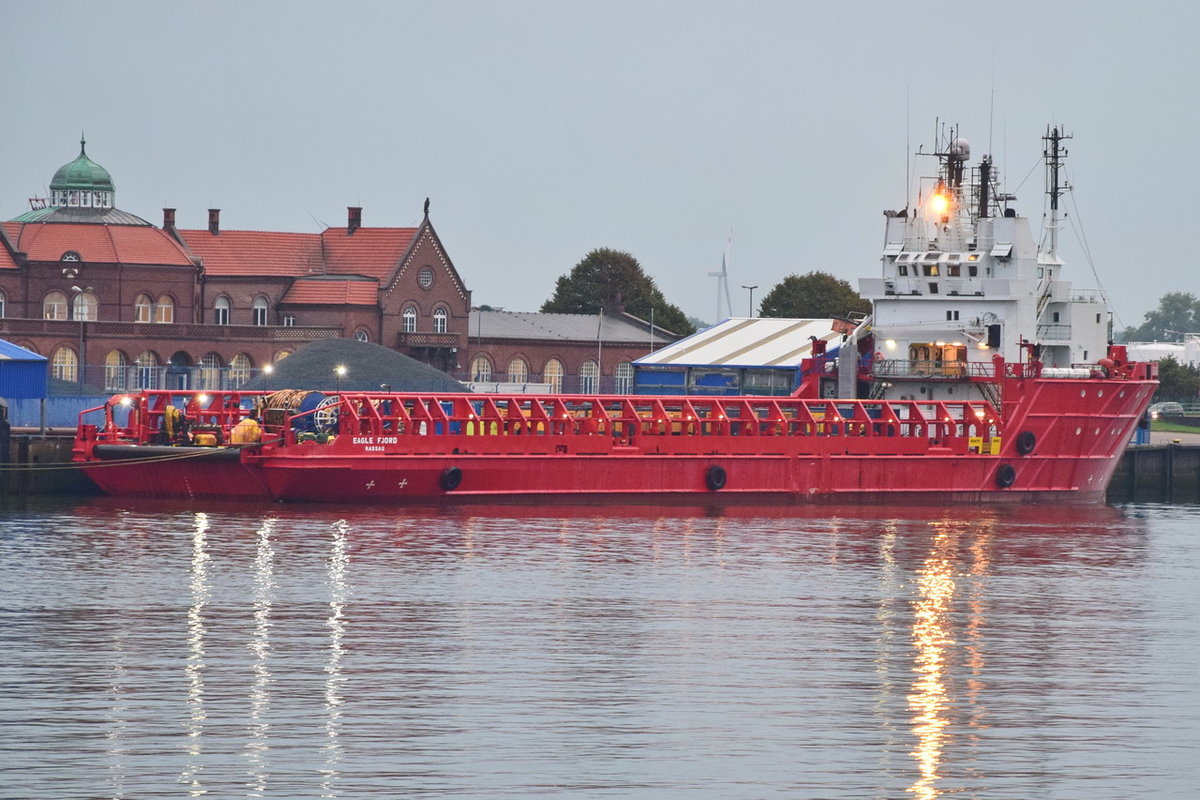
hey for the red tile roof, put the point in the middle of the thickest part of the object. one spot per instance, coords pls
(367, 251)
(373, 252)
(119, 244)
(256, 252)
(6, 259)
(333, 292)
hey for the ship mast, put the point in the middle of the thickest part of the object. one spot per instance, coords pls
(1054, 154)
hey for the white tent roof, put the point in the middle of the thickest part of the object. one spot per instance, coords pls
(743, 342)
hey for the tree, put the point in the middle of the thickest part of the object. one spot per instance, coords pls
(812, 296)
(1177, 381)
(613, 280)
(1177, 313)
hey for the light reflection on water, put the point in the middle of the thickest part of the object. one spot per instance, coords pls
(153, 650)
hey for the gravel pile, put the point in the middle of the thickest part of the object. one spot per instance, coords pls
(368, 368)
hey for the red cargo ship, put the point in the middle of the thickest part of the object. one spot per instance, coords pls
(980, 376)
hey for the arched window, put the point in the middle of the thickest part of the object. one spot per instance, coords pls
(410, 319)
(259, 311)
(210, 372)
(439, 320)
(83, 307)
(143, 308)
(481, 369)
(54, 306)
(281, 355)
(362, 336)
(221, 311)
(147, 371)
(624, 378)
(239, 370)
(589, 377)
(552, 374)
(518, 370)
(114, 371)
(64, 365)
(3, 301)
(164, 312)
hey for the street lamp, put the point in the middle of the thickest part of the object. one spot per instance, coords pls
(339, 371)
(79, 312)
(266, 371)
(751, 288)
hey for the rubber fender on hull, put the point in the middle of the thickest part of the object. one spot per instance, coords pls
(450, 479)
(715, 478)
(1005, 476)
(1026, 441)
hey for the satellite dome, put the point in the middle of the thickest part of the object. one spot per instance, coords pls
(960, 147)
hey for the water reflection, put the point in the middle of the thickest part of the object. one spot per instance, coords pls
(936, 691)
(260, 646)
(338, 592)
(117, 748)
(830, 653)
(194, 669)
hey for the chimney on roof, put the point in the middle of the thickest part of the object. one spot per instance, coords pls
(353, 218)
(168, 219)
(214, 221)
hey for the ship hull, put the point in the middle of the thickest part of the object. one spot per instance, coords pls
(1062, 442)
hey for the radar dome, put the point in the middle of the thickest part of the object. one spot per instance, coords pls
(960, 147)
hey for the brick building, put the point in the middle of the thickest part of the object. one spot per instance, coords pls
(117, 303)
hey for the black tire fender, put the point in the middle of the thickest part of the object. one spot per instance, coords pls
(715, 477)
(450, 479)
(1006, 475)
(1026, 441)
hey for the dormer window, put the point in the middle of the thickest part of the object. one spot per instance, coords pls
(70, 255)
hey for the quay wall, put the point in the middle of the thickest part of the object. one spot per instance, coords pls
(1159, 473)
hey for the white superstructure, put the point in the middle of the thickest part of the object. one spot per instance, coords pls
(964, 279)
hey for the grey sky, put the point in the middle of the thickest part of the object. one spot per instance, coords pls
(541, 130)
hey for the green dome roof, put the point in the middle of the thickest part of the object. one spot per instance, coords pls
(82, 173)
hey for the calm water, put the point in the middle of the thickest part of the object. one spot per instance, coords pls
(290, 652)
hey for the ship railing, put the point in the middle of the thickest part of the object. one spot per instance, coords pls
(626, 418)
(175, 417)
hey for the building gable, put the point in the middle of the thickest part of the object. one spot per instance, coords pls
(425, 252)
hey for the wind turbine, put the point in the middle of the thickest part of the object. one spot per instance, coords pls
(723, 281)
